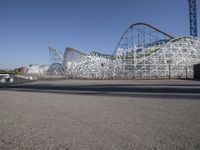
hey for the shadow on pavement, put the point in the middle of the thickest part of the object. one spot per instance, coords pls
(161, 91)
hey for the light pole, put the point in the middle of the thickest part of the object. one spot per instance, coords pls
(169, 67)
(186, 71)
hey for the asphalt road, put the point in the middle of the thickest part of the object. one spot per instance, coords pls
(101, 115)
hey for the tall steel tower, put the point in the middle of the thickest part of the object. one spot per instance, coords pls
(193, 17)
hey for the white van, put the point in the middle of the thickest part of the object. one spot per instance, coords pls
(5, 78)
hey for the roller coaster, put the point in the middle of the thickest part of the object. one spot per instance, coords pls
(143, 52)
(146, 52)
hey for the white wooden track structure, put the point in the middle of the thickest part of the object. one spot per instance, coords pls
(143, 52)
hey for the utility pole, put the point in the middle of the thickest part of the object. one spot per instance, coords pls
(193, 17)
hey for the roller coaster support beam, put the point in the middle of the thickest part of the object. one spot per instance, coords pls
(193, 17)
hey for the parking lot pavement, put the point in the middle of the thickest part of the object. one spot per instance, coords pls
(38, 118)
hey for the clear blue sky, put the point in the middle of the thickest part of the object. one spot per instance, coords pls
(28, 27)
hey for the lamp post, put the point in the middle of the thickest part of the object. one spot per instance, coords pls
(186, 71)
(169, 67)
